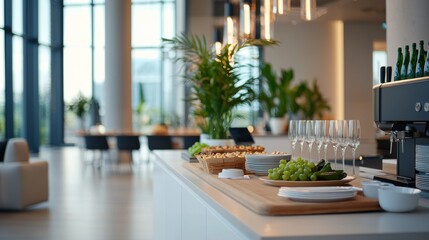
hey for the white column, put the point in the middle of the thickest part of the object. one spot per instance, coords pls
(407, 22)
(118, 112)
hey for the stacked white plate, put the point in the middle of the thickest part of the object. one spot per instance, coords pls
(317, 194)
(260, 163)
(422, 158)
(422, 181)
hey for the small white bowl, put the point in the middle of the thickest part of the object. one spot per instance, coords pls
(231, 173)
(398, 199)
(370, 188)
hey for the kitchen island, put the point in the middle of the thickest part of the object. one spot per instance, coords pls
(187, 207)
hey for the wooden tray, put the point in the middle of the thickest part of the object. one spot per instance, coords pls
(263, 199)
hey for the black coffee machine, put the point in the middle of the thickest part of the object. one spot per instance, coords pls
(401, 110)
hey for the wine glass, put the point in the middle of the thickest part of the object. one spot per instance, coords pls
(309, 133)
(318, 132)
(334, 139)
(325, 136)
(301, 134)
(354, 139)
(342, 135)
(293, 134)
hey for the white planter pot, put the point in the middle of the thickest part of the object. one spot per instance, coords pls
(277, 125)
(204, 137)
(220, 142)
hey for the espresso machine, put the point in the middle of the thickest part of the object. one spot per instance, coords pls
(401, 110)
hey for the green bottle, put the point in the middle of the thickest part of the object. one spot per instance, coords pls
(406, 62)
(426, 72)
(421, 60)
(397, 74)
(411, 72)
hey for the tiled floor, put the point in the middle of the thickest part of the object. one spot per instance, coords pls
(86, 202)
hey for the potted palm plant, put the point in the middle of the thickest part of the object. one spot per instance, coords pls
(278, 96)
(314, 103)
(79, 106)
(215, 80)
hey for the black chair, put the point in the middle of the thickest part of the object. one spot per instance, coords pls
(241, 136)
(188, 141)
(96, 144)
(2, 150)
(128, 143)
(158, 142)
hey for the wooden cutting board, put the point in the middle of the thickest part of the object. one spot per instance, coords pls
(263, 199)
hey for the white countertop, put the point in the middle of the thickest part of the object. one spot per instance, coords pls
(372, 225)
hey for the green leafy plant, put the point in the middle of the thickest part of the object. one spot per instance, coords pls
(214, 79)
(79, 105)
(140, 106)
(276, 93)
(314, 103)
(279, 97)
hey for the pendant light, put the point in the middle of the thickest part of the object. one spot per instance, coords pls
(308, 9)
(230, 33)
(247, 19)
(266, 20)
(281, 6)
(256, 19)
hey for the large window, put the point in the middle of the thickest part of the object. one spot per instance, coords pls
(45, 80)
(84, 55)
(18, 81)
(25, 67)
(2, 83)
(151, 69)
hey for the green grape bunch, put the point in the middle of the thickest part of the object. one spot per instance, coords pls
(196, 148)
(304, 170)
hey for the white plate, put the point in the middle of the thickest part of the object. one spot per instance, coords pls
(281, 183)
(319, 200)
(317, 193)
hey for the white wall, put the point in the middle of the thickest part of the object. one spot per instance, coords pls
(339, 56)
(407, 22)
(201, 20)
(311, 50)
(358, 47)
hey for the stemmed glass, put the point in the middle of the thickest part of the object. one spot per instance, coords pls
(318, 132)
(309, 133)
(333, 138)
(354, 138)
(325, 137)
(342, 134)
(301, 134)
(293, 134)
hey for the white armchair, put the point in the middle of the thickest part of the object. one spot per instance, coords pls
(22, 183)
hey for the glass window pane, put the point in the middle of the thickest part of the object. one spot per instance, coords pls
(18, 79)
(170, 87)
(44, 21)
(146, 69)
(77, 72)
(77, 26)
(77, 2)
(146, 25)
(169, 22)
(99, 31)
(17, 17)
(98, 1)
(2, 87)
(99, 75)
(1, 13)
(44, 93)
